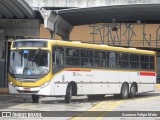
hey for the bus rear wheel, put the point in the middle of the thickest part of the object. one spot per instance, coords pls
(133, 90)
(68, 95)
(124, 91)
(35, 98)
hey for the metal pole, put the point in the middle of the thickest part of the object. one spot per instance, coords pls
(6, 62)
(52, 34)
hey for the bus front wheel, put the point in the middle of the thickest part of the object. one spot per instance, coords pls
(124, 91)
(68, 95)
(35, 98)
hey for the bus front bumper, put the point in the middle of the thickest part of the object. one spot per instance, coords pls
(29, 90)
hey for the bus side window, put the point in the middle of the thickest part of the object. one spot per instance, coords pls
(112, 59)
(58, 56)
(134, 61)
(144, 62)
(53, 58)
(152, 63)
(72, 56)
(123, 60)
(86, 58)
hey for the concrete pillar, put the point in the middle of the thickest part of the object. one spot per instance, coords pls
(56, 24)
(3, 60)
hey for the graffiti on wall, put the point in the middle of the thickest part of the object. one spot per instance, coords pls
(129, 34)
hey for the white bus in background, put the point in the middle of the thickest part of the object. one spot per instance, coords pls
(60, 68)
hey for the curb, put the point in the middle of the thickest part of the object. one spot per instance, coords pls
(4, 91)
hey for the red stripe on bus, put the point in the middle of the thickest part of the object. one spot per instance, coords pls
(147, 74)
(79, 70)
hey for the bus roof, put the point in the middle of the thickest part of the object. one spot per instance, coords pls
(91, 46)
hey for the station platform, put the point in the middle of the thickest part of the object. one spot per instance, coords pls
(4, 90)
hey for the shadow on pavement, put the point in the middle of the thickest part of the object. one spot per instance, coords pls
(10, 100)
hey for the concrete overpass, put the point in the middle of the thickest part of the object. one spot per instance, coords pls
(85, 3)
(60, 16)
(17, 18)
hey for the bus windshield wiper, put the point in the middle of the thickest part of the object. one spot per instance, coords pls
(37, 51)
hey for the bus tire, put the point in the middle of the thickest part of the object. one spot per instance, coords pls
(35, 98)
(68, 95)
(124, 91)
(133, 90)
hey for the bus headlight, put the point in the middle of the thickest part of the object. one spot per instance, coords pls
(11, 83)
(45, 84)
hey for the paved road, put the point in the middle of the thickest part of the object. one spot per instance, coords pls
(143, 102)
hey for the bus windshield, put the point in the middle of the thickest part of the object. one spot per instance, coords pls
(29, 62)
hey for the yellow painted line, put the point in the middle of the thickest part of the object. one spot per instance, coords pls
(127, 100)
(158, 86)
(102, 106)
(109, 106)
(108, 110)
(91, 109)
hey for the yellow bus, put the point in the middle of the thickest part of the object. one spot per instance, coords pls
(41, 67)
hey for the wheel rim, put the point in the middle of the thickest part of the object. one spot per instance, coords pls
(70, 91)
(133, 90)
(124, 91)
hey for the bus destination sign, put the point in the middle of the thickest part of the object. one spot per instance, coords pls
(30, 44)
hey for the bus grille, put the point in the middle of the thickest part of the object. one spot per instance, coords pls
(27, 80)
(20, 91)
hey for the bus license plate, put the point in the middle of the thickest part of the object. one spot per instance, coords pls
(27, 89)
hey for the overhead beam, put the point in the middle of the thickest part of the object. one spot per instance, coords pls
(86, 3)
(20, 27)
(56, 24)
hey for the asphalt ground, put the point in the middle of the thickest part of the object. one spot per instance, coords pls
(98, 109)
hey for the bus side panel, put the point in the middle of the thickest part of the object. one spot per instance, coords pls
(134, 77)
(113, 80)
(146, 82)
(99, 85)
(12, 89)
(52, 88)
(80, 89)
(87, 81)
(59, 84)
(123, 77)
(151, 84)
(45, 90)
(105, 82)
(60, 89)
